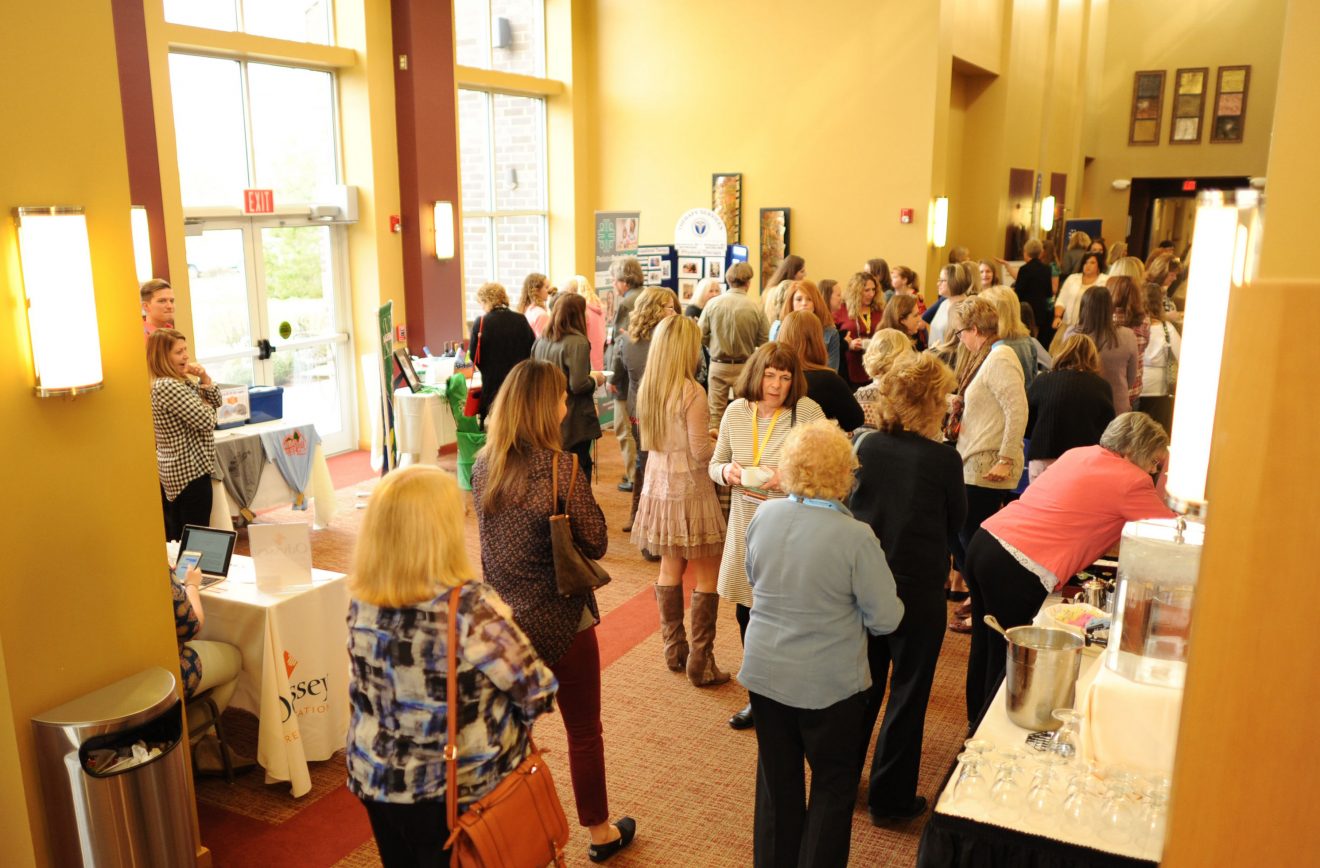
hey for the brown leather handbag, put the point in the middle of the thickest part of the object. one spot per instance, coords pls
(575, 573)
(520, 823)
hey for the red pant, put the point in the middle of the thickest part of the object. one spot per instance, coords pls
(578, 672)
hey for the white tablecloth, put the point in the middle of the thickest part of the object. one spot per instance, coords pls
(997, 728)
(273, 491)
(295, 666)
(423, 424)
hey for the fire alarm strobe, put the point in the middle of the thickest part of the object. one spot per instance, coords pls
(905, 215)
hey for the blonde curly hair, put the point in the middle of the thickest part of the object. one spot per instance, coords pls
(914, 395)
(653, 305)
(887, 346)
(817, 461)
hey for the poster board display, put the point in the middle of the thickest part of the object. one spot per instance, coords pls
(616, 235)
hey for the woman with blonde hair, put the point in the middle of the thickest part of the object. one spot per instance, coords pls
(820, 587)
(992, 418)
(1129, 297)
(706, 289)
(517, 476)
(409, 560)
(803, 295)
(532, 303)
(886, 349)
(595, 317)
(1068, 406)
(1012, 331)
(857, 321)
(801, 333)
(565, 345)
(771, 401)
(910, 491)
(183, 419)
(678, 515)
(500, 339)
(654, 305)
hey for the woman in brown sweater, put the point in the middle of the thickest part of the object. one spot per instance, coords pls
(511, 488)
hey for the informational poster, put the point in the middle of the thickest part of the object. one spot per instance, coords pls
(700, 232)
(616, 235)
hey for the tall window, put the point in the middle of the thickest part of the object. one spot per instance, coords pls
(502, 160)
(501, 139)
(295, 20)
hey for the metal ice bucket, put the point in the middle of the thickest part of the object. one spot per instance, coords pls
(1041, 674)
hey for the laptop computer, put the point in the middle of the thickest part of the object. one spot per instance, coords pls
(216, 546)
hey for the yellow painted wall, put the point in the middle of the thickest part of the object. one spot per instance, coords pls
(371, 162)
(828, 113)
(73, 617)
(1209, 33)
(978, 33)
(569, 140)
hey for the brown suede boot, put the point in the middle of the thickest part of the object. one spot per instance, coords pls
(670, 600)
(701, 668)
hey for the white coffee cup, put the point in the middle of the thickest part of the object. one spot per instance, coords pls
(756, 477)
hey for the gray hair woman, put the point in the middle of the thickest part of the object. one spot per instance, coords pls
(1067, 518)
(805, 661)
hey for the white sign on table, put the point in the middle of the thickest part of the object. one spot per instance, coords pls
(281, 555)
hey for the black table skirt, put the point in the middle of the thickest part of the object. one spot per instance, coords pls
(956, 842)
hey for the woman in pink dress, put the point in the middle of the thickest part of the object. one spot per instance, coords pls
(678, 515)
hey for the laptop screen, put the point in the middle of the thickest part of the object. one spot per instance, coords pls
(215, 545)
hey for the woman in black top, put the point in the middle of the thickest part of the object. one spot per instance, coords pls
(910, 491)
(801, 331)
(1068, 406)
(500, 339)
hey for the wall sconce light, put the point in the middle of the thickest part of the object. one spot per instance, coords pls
(1227, 244)
(141, 243)
(1047, 213)
(444, 230)
(56, 261)
(940, 232)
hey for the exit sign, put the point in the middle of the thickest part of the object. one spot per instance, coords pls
(1189, 185)
(258, 201)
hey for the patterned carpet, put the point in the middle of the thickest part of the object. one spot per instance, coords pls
(673, 763)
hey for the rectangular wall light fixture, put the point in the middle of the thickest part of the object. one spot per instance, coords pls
(444, 230)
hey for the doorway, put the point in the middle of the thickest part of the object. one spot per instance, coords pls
(1161, 209)
(270, 308)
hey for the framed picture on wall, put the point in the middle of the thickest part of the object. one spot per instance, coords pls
(726, 201)
(1230, 105)
(774, 240)
(689, 267)
(1189, 86)
(1147, 107)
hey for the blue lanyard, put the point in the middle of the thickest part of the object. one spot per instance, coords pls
(817, 502)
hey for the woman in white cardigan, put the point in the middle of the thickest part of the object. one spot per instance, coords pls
(994, 417)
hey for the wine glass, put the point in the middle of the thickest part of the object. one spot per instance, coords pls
(1154, 815)
(1068, 738)
(1006, 792)
(1118, 816)
(1079, 805)
(1043, 797)
(971, 786)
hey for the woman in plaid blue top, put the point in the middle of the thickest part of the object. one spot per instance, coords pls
(183, 415)
(410, 554)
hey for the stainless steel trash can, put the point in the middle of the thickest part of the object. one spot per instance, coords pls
(133, 815)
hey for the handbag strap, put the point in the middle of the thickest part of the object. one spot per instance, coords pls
(451, 715)
(554, 484)
(481, 327)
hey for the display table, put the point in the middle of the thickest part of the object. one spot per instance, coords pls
(295, 665)
(273, 491)
(966, 834)
(423, 423)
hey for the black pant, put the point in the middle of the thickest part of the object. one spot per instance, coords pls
(410, 836)
(1009, 591)
(743, 615)
(583, 452)
(913, 650)
(192, 506)
(787, 834)
(982, 503)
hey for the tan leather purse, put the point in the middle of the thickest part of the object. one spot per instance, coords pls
(520, 823)
(575, 573)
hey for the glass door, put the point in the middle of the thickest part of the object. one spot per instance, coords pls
(269, 308)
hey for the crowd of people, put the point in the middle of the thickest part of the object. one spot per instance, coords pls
(835, 461)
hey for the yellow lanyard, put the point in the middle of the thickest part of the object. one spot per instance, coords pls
(756, 439)
(864, 317)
